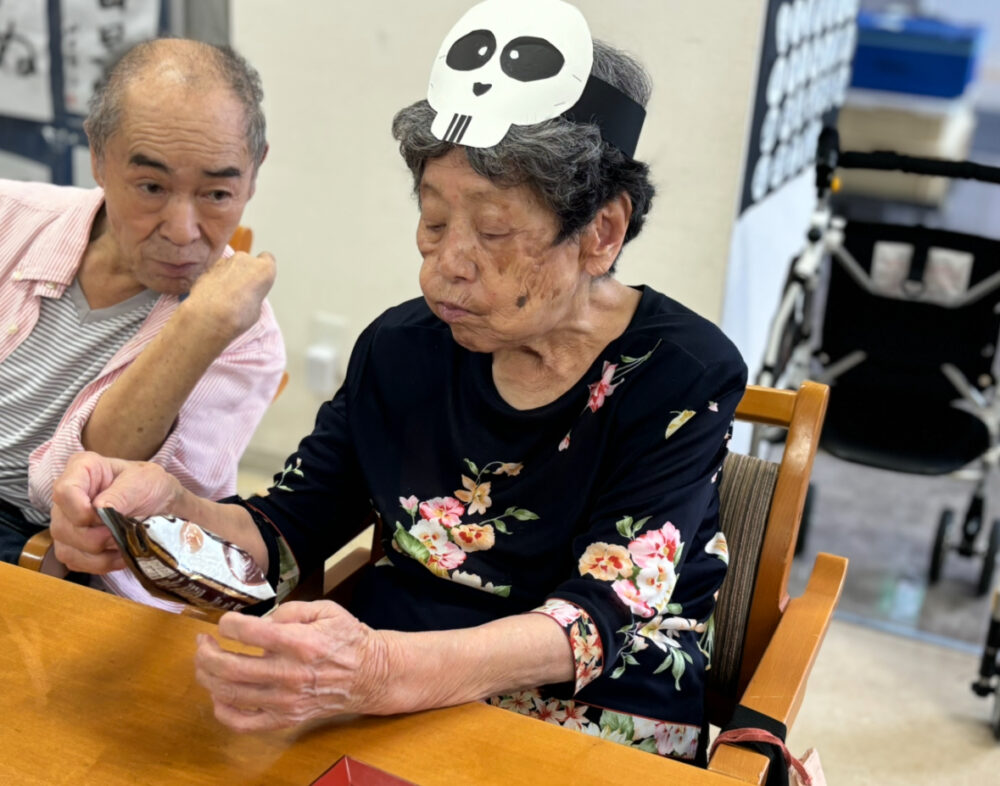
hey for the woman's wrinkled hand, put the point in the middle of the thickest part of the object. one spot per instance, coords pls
(90, 481)
(319, 661)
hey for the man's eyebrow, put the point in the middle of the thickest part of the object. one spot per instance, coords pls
(138, 159)
(229, 171)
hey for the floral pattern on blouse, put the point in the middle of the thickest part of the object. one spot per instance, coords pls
(290, 469)
(637, 501)
(678, 740)
(440, 537)
(612, 375)
(588, 652)
(643, 576)
(680, 418)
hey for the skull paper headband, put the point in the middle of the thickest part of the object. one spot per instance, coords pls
(519, 62)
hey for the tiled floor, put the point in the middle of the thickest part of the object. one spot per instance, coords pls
(889, 711)
(884, 522)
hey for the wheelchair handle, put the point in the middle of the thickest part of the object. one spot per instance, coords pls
(829, 158)
(889, 161)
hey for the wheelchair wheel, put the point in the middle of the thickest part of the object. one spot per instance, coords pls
(989, 559)
(940, 545)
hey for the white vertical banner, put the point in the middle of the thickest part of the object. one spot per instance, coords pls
(93, 32)
(25, 86)
(803, 75)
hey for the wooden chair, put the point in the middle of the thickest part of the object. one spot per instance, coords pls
(765, 642)
(242, 239)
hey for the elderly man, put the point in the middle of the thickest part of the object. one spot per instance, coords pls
(127, 325)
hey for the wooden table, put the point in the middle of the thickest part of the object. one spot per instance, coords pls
(99, 690)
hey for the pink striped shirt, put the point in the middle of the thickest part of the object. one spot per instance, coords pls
(44, 231)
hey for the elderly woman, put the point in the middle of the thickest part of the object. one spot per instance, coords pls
(540, 442)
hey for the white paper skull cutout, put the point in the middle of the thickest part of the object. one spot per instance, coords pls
(508, 62)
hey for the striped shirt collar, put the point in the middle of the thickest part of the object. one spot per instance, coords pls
(57, 253)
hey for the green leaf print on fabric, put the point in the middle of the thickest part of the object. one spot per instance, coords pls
(289, 470)
(617, 723)
(411, 545)
(627, 528)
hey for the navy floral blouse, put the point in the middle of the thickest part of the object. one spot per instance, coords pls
(599, 510)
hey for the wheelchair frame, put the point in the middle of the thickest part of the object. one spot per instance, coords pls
(789, 359)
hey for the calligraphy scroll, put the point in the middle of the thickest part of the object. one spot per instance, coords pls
(25, 91)
(93, 32)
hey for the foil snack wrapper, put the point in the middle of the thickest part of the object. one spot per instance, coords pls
(177, 560)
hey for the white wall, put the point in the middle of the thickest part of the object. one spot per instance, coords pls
(334, 199)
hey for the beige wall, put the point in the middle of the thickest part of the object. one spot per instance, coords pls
(333, 201)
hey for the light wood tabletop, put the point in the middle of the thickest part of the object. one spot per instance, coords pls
(99, 690)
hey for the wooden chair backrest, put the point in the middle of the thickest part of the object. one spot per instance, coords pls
(242, 239)
(755, 594)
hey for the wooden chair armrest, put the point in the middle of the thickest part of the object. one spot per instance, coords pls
(347, 564)
(38, 555)
(336, 581)
(778, 685)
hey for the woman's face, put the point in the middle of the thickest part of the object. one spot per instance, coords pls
(490, 268)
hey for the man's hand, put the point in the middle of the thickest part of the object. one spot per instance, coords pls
(319, 661)
(92, 481)
(231, 291)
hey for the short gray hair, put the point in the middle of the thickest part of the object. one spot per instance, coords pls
(205, 60)
(568, 164)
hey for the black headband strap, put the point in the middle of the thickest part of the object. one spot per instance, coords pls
(618, 116)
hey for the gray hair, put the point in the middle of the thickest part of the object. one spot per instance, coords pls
(569, 165)
(199, 60)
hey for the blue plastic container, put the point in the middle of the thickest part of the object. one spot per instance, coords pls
(915, 55)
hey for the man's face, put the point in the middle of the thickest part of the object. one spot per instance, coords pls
(176, 175)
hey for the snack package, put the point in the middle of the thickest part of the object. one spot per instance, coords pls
(177, 560)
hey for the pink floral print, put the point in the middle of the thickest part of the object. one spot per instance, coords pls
(445, 511)
(603, 387)
(588, 652)
(643, 577)
(644, 574)
(656, 546)
(612, 375)
(677, 740)
(441, 541)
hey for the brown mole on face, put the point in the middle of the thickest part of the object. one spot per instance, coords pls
(522, 301)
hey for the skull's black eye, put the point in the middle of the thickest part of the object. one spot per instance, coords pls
(529, 59)
(471, 51)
